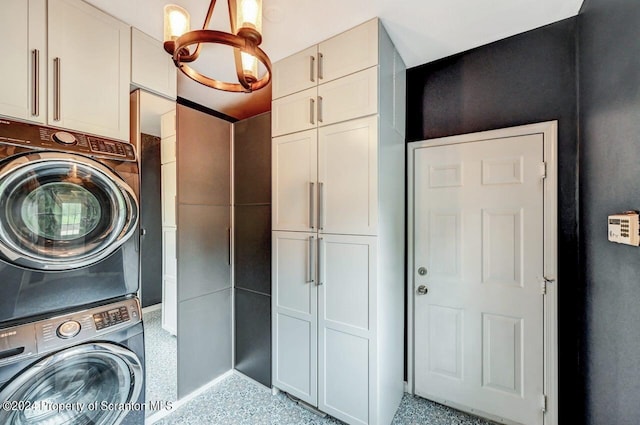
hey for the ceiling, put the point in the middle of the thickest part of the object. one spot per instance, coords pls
(422, 30)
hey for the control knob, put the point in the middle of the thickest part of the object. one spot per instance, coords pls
(68, 329)
(64, 138)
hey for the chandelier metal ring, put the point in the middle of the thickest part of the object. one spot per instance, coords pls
(182, 43)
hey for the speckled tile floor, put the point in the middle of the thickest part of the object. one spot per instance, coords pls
(239, 401)
(160, 360)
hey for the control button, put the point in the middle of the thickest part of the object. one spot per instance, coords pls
(64, 138)
(68, 329)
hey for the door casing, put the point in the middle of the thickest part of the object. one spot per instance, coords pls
(549, 130)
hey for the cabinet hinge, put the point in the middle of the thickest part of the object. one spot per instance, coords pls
(543, 170)
(543, 403)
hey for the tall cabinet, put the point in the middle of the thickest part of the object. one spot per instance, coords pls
(338, 225)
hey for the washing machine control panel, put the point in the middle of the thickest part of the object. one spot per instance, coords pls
(34, 136)
(113, 317)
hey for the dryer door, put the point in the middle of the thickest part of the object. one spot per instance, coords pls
(62, 211)
(95, 383)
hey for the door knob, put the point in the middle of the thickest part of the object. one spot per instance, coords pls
(422, 271)
(422, 290)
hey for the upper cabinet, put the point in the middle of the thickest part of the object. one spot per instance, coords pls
(88, 63)
(23, 84)
(334, 81)
(70, 66)
(151, 67)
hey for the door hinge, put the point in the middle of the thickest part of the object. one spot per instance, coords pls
(543, 403)
(543, 285)
(543, 170)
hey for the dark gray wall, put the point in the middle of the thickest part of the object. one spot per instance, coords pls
(203, 247)
(609, 46)
(524, 79)
(252, 259)
(150, 221)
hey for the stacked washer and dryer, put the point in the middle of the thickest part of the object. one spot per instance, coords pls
(71, 333)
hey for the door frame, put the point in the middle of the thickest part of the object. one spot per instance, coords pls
(549, 131)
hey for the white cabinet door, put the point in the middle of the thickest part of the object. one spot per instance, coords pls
(347, 98)
(349, 52)
(151, 67)
(169, 192)
(23, 82)
(295, 315)
(294, 187)
(169, 280)
(295, 73)
(294, 113)
(347, 177)
(89, 70)
(346, 323)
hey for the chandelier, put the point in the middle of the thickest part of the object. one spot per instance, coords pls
(245, 17)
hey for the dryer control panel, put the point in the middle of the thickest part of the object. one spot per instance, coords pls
(22, 341)
(47, 138)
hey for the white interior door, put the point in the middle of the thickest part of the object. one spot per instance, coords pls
(478, 238)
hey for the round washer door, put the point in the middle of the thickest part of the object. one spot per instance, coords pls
(62, 211)
(82, 385)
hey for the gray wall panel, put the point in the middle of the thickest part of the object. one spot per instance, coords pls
(609, 42)
(203, 250)
(252, 160)
(150, 221)
(204, 161)
(204, 340)
(253, 247)
(253, 335)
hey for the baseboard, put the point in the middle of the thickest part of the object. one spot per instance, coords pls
(151, 308)
(184, 400)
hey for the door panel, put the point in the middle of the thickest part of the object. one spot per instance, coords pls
(478, 215)
(346, 325)
(349, 52)
(294, 178)
(295, 73)
(296, 112)
(347, 177)
(295, 307)
(347, 98)
(24, 22)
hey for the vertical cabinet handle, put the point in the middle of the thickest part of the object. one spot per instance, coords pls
(319, 108)
(311, 205)
(56, 89)
(311, 245)
(35, 82)
(320, 66)
(312, 66)
(229, 245)
(320, 206)
(312, 103)
(320, 261)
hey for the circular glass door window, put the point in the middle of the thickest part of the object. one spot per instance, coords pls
(60, 211)
(75, 386)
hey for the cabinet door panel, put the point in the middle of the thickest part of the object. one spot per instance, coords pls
(294, 178)
(94, 50)
(347, 177)
(346, 325)
(349, 52)
(347, 98)
(295, 73)
(295, 309)
(169, 193)
(22, 26)
(151, 67)
(294, 113)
